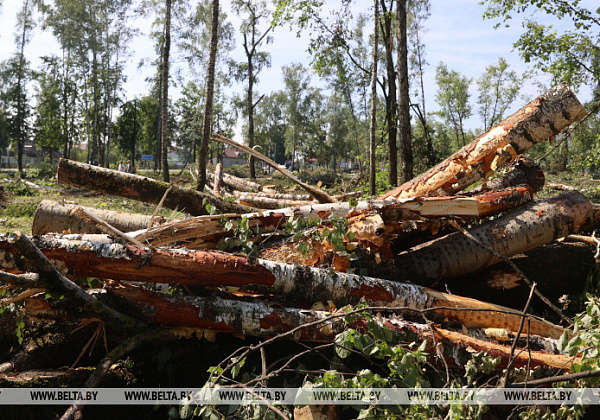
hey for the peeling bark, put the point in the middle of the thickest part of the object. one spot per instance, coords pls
(291, 283)
(260, 319)
(140, 188)
(535, 225)
(537, 121)
(51, 216)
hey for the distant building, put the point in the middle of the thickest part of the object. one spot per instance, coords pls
(233, 157)
(31, 157)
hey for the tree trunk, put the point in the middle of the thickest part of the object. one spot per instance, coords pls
(208, 106)
(398, 217)
(164, 109)
(391, 105)
(521, 171)
(262, 202)
(291, 283)
(51, 216)
(404, 139)
(535, 225)
(260, 319)
(373, 116)
(239, 184)
(548, 266)
(140, 188)
(539, 120)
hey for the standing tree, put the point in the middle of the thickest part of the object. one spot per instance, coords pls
(208, 105)
(255, 11)
(391, 98)
(373, 116)
(164, 141)
(498, 88)
(127, 128)
(453, 98)
(404, 139)
(16, 74)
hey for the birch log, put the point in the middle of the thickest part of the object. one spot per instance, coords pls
(262, 319)
(293, 283)
(140, 188)
(51, 216)
(537, 121)
(535, 225)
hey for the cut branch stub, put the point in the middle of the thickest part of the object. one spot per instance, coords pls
(537, 121)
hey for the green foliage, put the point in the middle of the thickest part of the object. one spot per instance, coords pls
(568, 55)
(19, 188)
(453, 98)
(498, 89)
(242, 237)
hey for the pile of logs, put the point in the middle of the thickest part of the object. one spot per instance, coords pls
(417, 238)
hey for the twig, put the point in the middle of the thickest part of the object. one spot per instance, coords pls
(504, 381)
(21, 296)
(544, 299)
(74, 411)
(559, 378)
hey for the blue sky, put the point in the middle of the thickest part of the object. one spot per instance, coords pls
(456, 35)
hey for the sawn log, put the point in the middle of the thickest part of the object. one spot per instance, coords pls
(51, 216)
(140, 188)
(537, 121)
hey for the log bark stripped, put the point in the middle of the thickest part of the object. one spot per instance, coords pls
(110, 260)
(218, 179)
(51, 216)
(261, 319)
(537, 121)
(535, 225)
(140, 188)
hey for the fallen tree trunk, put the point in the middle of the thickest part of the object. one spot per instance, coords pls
(521, 171)
(537, 121)
(307, 285)
(280, 196)
(270, 203)
(51, 216)
(140, 188)
(260, 319)
(548, 266)
(535, 225)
